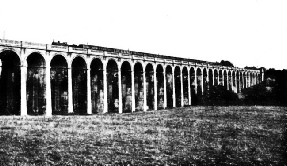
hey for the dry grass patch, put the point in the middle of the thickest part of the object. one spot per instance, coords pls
(196, 135)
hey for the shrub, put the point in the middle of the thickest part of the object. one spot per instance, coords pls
(219, 95)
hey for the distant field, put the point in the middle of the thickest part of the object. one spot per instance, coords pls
(195, 135)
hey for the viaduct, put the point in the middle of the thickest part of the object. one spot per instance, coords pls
(43, 79)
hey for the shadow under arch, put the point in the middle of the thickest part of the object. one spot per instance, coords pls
(79, 84)
(139, 92)
(59, 85)
(36, 84)
(126, 87)
(97, 86)
(112, 86)
(149, 74)
(160, 86)
(169, 86)
(10, 83)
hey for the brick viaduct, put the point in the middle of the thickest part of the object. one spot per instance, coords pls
(43, 79)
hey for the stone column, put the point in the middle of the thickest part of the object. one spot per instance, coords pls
(227, 80)
(231, 80)
(202, 89)
(120, 89)
(242, 80)
(246, 78)
(173, 88)
(181, 88)
(89, 94)
(239, 83)
(164, 87)
(207, 79)
(105, 110)
(133, 89)
(70, 89)
(23, 90)
(188, 83)
(249, 82)
(155, 87)
(144, 90)
(48, 90)
(222, 72)
(213, 77)
(235, 81)
(195, 81)
(218, 82)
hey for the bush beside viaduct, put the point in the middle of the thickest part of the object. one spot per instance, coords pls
(43, 79)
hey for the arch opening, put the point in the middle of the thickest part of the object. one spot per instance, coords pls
(238, 82)
(210, 78)
(221, 76)
(230, 80)
(113, 87)
(126, 87)
(233, 82)
(225, 79)
(199, 85)
(193, 86)
(169, 87)
(149, 73)
(79, 83)
(244, 82)
(10, 83)
(97, 86)
(139, 93)
(177, 86)
(185, 86)
(216, 79)
(59, 85)
(160, 86)
(36, 84)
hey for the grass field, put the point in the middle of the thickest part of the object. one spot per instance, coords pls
(196, 135)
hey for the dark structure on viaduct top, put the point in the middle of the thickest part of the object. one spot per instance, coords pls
(43, 79)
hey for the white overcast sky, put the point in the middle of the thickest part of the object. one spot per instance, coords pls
(245, 32)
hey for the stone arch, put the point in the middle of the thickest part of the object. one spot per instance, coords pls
(138, 86)
(126, 86)
(169, 86)
(199, 74)
(36, 84)
(216, 77)
(177, 81)
(230, 80)
(60, 54)
(160, 86)
(244, 80)
(149, 74)
(10, 82)
(234, 83)
(220, 77)
(193, 86)
(112, 86)
(225, 76)
(185, 86)
(205, 81)
(14, 51)
(79, 84)
(210, 78)
(59, 84)
(240, 80)
(97, 86)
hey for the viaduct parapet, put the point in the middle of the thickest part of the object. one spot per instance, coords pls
(43, 79)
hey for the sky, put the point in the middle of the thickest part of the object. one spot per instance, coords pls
(244, 32)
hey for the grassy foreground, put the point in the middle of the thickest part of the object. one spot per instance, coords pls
(196, 135)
